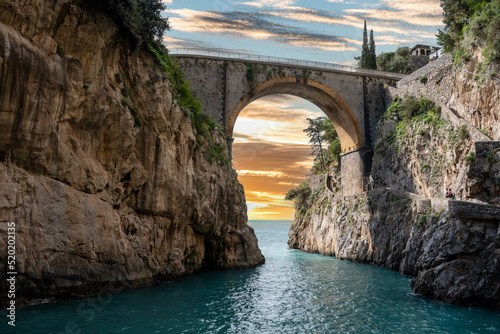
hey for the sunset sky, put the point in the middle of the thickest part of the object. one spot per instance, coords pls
(270, 150)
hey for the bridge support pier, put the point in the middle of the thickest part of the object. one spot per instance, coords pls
(353, 167)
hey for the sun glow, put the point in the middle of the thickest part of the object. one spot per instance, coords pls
(271, 153)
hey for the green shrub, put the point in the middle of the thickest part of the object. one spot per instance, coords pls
(299, 195)
(135, 114)
(410, 107)
(422, 219)
(471, 159)
(423, 80)
(217, 152)
(463, 133)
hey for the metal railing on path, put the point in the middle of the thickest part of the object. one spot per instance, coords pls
(283, 61)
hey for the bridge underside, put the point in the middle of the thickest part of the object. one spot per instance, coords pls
(334, 107)
(351, 101)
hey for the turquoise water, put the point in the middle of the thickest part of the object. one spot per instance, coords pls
(293, 292)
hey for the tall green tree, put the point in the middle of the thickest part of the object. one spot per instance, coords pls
(365, 49)
(372, 57)
(368, 58)
(315, 132)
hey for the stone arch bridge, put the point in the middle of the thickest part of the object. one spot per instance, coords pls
(353, 99)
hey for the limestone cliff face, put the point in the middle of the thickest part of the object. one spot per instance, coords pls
(476, 94)
(99, 201)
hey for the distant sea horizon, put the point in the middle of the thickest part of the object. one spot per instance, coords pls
(270, 220)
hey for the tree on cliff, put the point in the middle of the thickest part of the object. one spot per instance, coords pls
(315, 133)
(139, 20)
(325, 143)
(299, 195)
(399, 61)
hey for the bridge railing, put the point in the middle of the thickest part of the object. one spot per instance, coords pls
(282, 60)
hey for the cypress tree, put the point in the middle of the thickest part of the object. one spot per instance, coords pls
(365, 50)
(372, 58)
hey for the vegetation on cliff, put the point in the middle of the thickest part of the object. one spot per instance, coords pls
(419, 150)
(140, 21)
(417, 118)
(471, 22)
(190, 105)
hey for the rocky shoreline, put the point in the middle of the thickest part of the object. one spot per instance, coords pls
(451, 259)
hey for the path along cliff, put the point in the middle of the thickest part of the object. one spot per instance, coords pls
(107, 182)
(404, 223)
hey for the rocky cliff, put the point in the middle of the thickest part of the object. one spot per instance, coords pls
(107, 182)
(451, 248)
(452, 258)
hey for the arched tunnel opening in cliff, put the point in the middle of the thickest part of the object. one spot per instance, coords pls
(272, 154)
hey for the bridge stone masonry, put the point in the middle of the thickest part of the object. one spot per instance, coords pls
(351, 98)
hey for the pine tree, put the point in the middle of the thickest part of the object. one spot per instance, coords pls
(372, 62)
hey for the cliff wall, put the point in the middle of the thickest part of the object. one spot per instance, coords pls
(107, 182)
(467, 90)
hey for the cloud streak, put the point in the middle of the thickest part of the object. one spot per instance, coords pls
(395, 18)
(255, 26)
(422, 13)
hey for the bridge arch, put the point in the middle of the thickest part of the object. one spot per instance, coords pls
(329, 101)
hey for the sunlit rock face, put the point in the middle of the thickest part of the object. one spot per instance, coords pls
(98, 201)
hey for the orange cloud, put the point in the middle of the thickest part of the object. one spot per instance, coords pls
(268, 173)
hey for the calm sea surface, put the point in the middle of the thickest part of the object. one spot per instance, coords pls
(293, 292)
